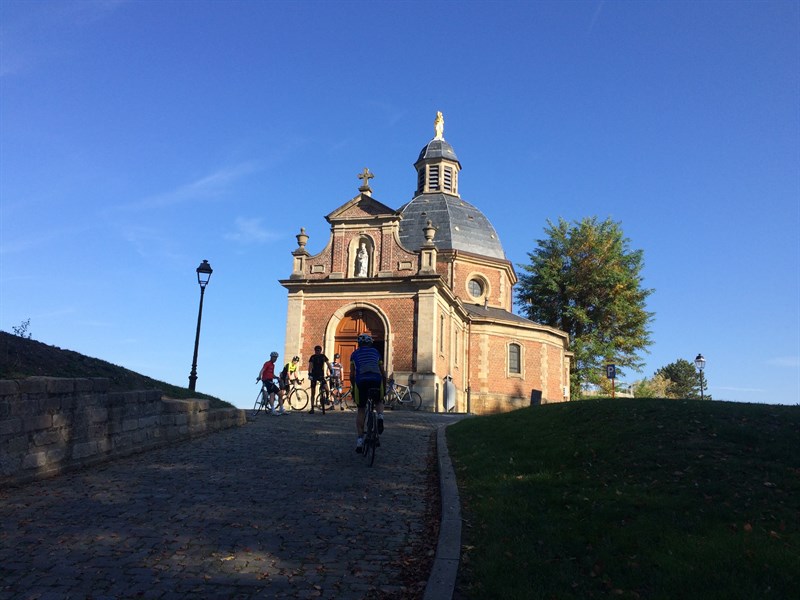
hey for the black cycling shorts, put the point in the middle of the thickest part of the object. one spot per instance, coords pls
(361, 390)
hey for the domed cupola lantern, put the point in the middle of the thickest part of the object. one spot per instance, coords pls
(437, 166)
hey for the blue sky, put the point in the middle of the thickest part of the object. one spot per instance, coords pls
(138, 138)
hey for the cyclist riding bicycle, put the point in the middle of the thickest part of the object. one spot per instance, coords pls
(272, 391)
(366, 373)
(337, 372)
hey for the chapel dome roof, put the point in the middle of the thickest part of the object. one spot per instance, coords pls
(459, 225)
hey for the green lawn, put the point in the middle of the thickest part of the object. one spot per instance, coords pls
(630, 499)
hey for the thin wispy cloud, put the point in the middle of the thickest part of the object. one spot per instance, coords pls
(29, 242)
(250, 231)
(596, 15)
(149, 242)
(95, 324)
(340, 145)
(792, 362)
(25, 244)
(42, 33)
(214, 185)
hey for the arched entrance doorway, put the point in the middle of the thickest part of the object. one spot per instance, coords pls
(354, 323)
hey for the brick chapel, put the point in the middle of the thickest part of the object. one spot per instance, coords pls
(431, 283)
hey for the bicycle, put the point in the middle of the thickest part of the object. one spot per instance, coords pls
(296, 397)
(262, 401)
(346, 399)
(403, 395)
(371, 436)
(336, 394)
(261, 404)
(323, 400)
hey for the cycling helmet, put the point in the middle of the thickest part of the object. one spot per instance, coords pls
(273, 355)
(295, 359)
(337, 355)
(365, 339)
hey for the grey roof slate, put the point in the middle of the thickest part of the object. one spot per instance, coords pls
(459, 225)
(438, 149)
(498, 314)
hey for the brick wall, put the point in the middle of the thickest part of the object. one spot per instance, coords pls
(50, 425)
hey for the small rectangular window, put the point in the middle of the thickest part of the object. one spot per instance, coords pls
(514, 365)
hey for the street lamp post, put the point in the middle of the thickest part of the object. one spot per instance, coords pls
(203, 276)
(700, 363)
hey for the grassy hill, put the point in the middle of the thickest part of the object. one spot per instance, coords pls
(20, 358)
(630, 498)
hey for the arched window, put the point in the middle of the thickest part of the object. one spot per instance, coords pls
(514, 359)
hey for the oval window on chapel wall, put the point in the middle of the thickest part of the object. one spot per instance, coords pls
(475, 288)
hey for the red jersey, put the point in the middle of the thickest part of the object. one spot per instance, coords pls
(268, 371)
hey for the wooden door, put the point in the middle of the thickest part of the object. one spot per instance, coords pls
(352, 325)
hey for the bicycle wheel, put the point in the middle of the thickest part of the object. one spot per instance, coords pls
(347, 399)
(298, 399)
(416, 400)
(370, 452)
(322, 400)
(259, 401)
(370, 437)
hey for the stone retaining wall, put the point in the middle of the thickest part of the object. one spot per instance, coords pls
(50, 425)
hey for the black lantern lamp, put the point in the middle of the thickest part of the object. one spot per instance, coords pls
(203, 277)
(700, 363)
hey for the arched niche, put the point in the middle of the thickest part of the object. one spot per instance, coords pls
(355, 257)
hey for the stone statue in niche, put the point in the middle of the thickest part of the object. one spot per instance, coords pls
(362, 261)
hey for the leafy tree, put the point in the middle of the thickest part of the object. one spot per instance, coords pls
(683, 380)
(584, 279)
(22, 329)
(656, 387)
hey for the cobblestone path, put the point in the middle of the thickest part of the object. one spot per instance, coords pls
(274, 509)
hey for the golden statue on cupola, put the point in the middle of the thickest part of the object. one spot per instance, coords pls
(438, 126)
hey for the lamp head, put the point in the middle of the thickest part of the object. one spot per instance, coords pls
(204, 273)
(700, 362)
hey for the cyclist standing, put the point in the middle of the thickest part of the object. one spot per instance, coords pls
(271, 391)
(337, 371)
(366, 373)
(316, 374)
(289, 374)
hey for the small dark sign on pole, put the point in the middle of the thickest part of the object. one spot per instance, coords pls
(611, 373)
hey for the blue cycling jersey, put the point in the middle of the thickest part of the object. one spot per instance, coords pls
(366, 362)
